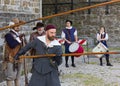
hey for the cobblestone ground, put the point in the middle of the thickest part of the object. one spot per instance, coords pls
(85, 74)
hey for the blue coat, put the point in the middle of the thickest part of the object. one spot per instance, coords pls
(10, 39)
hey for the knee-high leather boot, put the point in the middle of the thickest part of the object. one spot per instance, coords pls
(107, 61)
(73, 64)
(66, 61)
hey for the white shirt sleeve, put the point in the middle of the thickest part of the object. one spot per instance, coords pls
(75, 33)
(18, 39)
(106, 37)
(98, 37)
(63, 35)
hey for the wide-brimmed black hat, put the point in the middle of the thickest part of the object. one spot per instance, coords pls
(38, 25)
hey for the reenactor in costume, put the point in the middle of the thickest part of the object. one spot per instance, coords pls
(45, 70)
(39, 32)
(13, 43)
(69, 34)
(102, 36)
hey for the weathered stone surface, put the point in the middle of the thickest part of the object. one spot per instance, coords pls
(92, 22)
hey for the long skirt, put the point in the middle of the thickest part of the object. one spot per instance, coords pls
(48, 79)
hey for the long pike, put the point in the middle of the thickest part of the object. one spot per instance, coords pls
(71, 54)
(63, 13)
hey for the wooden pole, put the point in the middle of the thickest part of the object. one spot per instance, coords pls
(63, 13)
(25, 64)
(71, 54)
(25, 73)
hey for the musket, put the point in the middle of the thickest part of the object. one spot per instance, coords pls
(70, 54)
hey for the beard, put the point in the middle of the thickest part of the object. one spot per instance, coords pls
(51, 38)
(40, 32)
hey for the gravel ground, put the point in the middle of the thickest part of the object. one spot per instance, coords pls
(85, 74)
(91, 74)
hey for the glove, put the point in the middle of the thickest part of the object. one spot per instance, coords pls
(16, 57)
(58, 58)
(22, 35)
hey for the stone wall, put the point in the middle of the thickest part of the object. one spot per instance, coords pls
(89, 24)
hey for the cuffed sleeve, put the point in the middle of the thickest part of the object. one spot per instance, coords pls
(58, 57)
(25, 49)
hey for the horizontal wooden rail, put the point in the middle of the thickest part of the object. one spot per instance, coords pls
(71, 54)
(63, 13)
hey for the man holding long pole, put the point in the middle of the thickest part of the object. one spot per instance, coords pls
(45, 70)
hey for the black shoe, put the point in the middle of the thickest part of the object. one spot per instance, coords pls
(109, 64)
(66, 65)
(73, 65)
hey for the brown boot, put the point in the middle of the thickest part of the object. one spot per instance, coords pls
(9, 83)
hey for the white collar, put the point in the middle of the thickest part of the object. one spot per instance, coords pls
(103, 32)
(52, 43)
(15, 32)
(69, 27)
